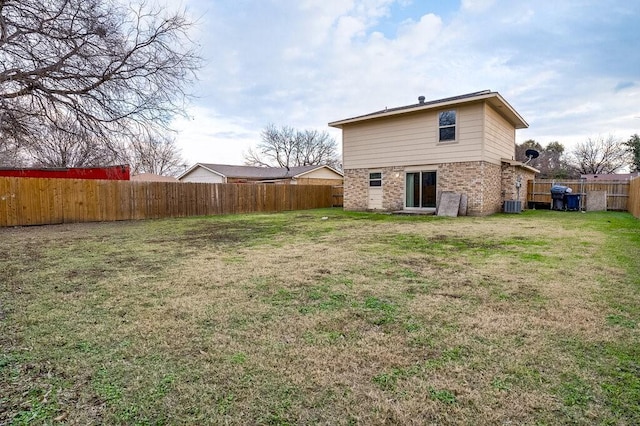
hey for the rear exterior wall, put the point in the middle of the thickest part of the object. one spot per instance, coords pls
(203, 176)
(319, 181)
(479, 180)
(499, 137)
(470, 165)
(510, 175)
(413, 139)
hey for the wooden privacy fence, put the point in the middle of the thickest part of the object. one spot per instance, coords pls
(32, 201)
(634, 197)
(539, 191)
(338, 195)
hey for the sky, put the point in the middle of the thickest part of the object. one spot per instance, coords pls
(571, 68)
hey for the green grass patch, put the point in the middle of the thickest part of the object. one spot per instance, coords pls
(289, 318)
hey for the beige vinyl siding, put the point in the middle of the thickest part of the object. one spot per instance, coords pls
(413, 139)
(500, 137)
(202, 175)
(322, 173)
(322, 176)
(304, 181)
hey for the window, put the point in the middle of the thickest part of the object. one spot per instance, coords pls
(447, 125)
(375, 179)
(421, 189)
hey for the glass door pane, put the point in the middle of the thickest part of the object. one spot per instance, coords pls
(413, 190)
(428, 189)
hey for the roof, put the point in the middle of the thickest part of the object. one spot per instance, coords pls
(492, 98)
(150, 177)
(610, 176)
(517, 163)
(258, 173)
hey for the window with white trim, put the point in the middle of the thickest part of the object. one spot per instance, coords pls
(375, 179)
(447, 126)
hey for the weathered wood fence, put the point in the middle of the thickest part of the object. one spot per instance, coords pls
(338, 195)
(634, 197)
(32, 201)
(539, 191)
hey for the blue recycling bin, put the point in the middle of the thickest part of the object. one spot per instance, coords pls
(572, 201)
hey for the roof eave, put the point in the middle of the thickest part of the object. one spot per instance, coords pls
(195, 166)
(305, 172)
(515, 118)
(517, 163)
(319, 167)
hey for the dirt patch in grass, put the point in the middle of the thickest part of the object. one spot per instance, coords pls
(295, 319)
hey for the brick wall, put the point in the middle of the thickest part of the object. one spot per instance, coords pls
(393, 188)
(492, 189)
(479, 180)
(510, 177)
(356, 187)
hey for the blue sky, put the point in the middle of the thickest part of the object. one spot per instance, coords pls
(570, 67)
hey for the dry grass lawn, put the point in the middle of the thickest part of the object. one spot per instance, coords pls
(323, 317)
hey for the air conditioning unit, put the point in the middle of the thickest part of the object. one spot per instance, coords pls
(513, 206)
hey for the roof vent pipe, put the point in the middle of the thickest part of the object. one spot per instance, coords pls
(421, 99)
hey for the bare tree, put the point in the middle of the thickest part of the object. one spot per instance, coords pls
(155, 154)
(551, 162)
(600, 155)
(288, 147)
(113, 70)
(67, 144)
(10, 153)
(277, 148)
(316, 147)
(70, 145)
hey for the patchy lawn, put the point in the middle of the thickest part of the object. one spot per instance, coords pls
(323, 317)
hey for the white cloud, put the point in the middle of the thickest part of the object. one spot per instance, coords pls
(205, 137)
(570, 70)
(415, 39)
(477, 5)
(349, 27)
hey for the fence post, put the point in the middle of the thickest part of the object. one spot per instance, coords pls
(31, 201)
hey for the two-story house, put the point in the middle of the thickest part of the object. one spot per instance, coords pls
(404, 158)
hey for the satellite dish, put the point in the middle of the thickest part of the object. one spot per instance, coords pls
(532, 153)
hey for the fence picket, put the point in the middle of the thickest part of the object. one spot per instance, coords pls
(634, 197)
(539, 191)
(39, 201)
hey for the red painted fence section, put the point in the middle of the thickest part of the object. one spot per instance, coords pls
(104, 173)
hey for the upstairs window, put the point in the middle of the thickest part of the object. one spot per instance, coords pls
(375, 179)
(447, 125)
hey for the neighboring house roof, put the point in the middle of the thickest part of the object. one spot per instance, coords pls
(492, 98)
(610, 176)
(150, 177)
(257, 173)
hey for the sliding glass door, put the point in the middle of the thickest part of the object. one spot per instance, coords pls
(421, 189)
